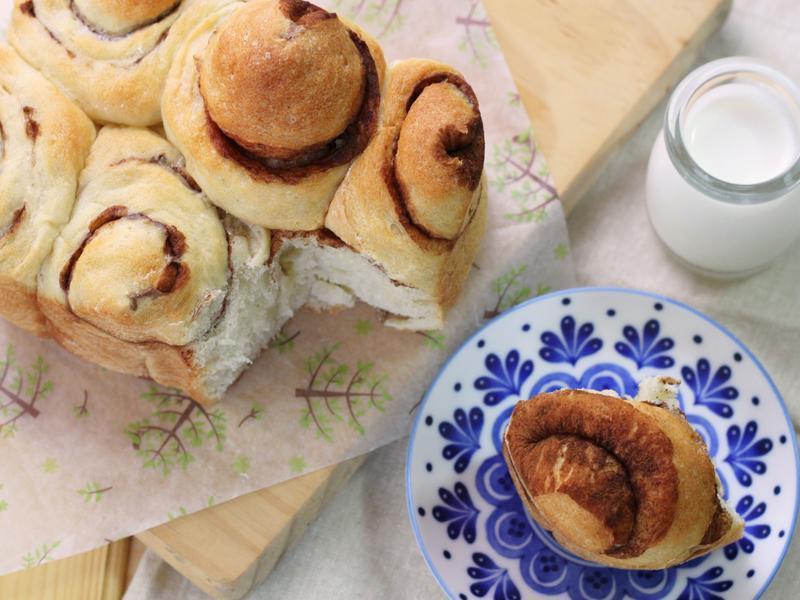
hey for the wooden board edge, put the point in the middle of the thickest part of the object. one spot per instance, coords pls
(98, 574)
(168, 540)
(575, 189)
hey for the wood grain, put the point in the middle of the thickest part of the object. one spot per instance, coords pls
(588, 73)
(95, 575)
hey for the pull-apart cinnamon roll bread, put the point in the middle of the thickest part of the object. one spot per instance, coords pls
(627, 483)
(44, 140)
(148, 278)
(270, 102)
(111, 57)
(415, 201)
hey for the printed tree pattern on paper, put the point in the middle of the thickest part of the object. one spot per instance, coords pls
(433, 339)
(478, 38)
(3, 501)
(382, 15)
(514, 167)
(178, 424)
(283, 342)
(20, 390)
(510, 290)
(41, 555)
(82, 410)
(93, 492)
(256, 414)
(337, 392)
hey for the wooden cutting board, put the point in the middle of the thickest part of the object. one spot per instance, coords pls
(588, 71)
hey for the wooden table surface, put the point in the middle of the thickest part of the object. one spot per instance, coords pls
(588, 73)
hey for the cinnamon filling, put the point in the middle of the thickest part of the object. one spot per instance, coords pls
(641, 448)
(161, 160)
(304, 13)
(469, 148)
(319, 157)
(174, 274)
(28, 9)
(16, 220)
(31, 124)
(110, 35)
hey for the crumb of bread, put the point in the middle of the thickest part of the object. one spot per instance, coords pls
(662, 391)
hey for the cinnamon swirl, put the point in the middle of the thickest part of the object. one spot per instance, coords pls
(626, 483)
(148, 278)
(44, 140)
(270, 101)
(415, 202)
(110, 57)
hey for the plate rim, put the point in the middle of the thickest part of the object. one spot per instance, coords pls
(523, 305)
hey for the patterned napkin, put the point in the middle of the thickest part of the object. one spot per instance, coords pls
(88, 456)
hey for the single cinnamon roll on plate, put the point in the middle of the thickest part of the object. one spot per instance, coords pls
(270, 102)
(626, 483)
(415, 202)
(44, 140)
(148, 278)
(111, 57)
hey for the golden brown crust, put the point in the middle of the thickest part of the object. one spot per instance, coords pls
(574, 457)
(44, 140)
(284, 88)
(172, 366)
(111, 58)
(270, 102)
(140, 274)
(388, 210)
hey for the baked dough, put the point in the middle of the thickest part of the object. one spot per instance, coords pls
(270, 102)
(111, 57)
(625, 483)
(415, 202)
(44, 140)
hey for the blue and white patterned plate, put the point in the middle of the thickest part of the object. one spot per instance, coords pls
(473, 530)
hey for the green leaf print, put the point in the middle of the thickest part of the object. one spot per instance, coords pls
(256, 414)
(433, 339)
(182, 512)
(510, 291)
(283, 342)
(297, 464)
(20, 390)
(363, 327)
(383, 16)
(241, 464)
(514, 168)
(478, 39)
(3, 502)
(336, 392)
(41, 555)
(81, 411)
(561, 251)
(93, 492)
(165, 439)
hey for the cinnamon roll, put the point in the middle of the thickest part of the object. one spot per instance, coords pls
(44, 140)
(270, 102)
(111, 57)
(626, 483)
(148, 278)
(415, 201)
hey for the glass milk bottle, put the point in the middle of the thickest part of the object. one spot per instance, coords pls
(722, 182)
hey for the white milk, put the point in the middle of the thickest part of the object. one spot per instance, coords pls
(744, 131)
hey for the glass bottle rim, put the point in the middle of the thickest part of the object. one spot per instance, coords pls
(704, 79)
